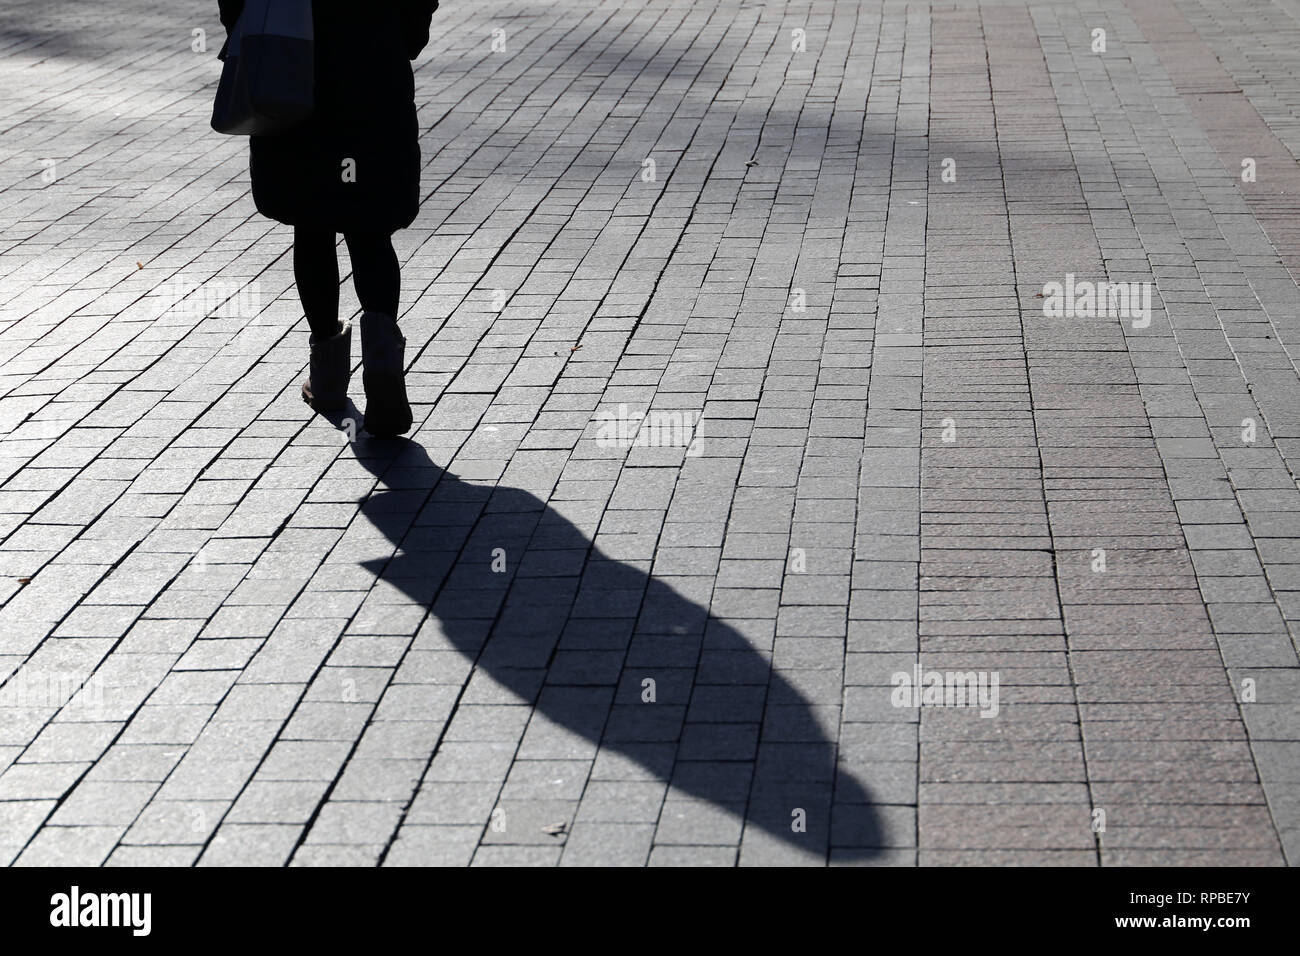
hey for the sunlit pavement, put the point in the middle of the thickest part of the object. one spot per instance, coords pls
(846, 432)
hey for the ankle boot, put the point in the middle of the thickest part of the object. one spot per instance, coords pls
(326, 388)
(383, 363)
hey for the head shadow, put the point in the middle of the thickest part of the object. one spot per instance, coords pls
(608, 653)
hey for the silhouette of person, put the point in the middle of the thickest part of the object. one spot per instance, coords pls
(352, 167)
(522, 593)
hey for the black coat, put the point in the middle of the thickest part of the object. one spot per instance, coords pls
(365, 112)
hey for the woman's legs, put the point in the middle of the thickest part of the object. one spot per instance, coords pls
(316, 269)
(378, 277)
(375, 271)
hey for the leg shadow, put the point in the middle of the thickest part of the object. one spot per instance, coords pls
(588, 641)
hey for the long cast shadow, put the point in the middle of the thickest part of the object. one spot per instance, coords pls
(577, 635)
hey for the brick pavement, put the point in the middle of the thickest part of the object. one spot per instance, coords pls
(736, 398)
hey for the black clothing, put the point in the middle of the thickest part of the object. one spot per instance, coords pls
(364, 126)
(375, 273)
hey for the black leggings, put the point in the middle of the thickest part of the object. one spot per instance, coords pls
(375, 273)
